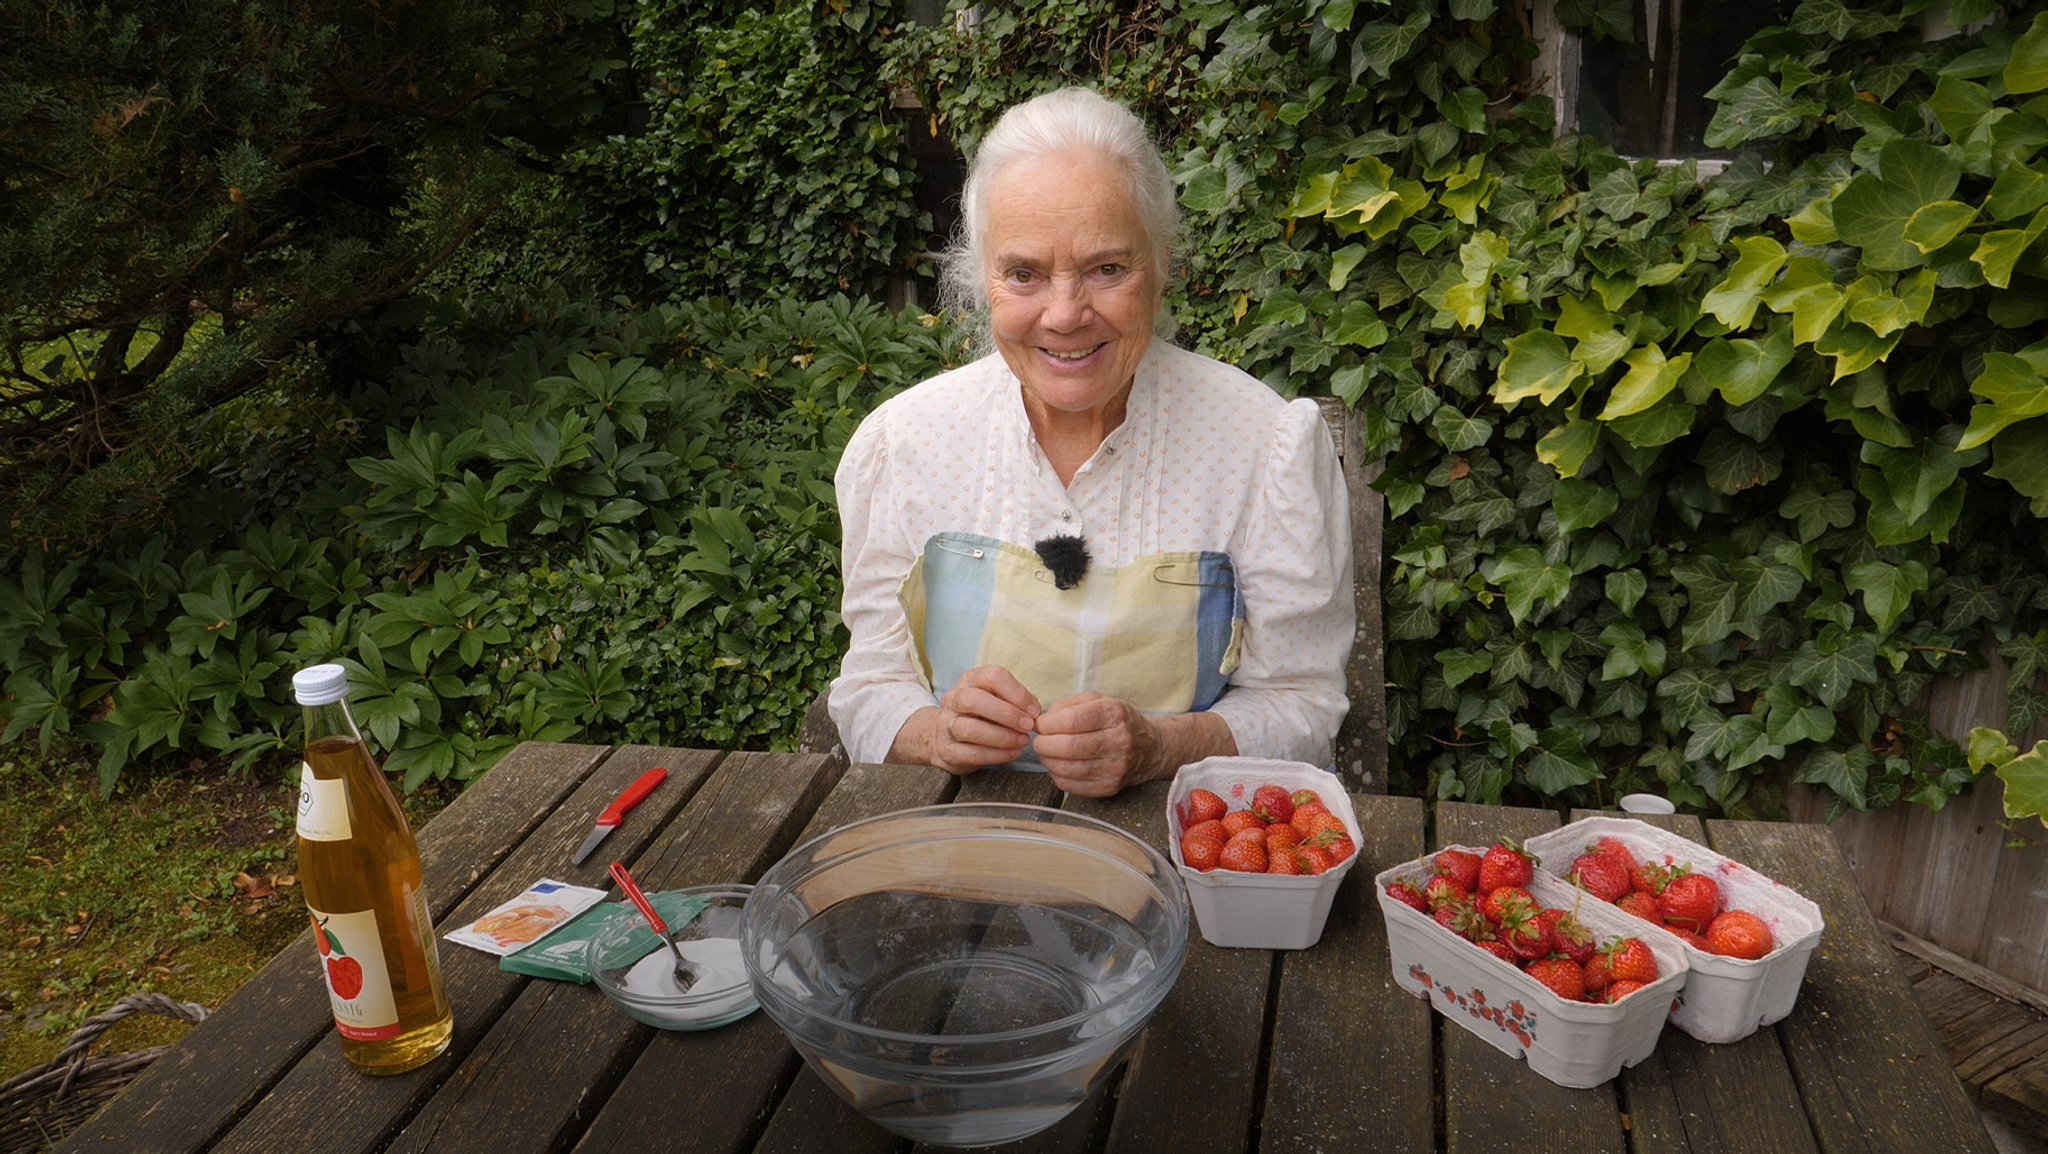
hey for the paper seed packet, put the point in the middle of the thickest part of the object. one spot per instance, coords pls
(513, 925)
(565, 955)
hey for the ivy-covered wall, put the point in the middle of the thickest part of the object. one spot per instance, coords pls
(1693, 485)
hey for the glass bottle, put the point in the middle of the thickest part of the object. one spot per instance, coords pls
(359, 868)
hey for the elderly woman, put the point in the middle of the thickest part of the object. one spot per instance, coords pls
(1089, 551)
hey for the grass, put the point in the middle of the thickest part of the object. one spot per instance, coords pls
(181, 883)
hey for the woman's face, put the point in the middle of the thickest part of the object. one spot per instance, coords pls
(1072, 285)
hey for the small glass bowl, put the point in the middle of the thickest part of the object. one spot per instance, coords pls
(635, 970)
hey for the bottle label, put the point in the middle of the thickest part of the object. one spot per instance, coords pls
(358, 985)
(323, 807)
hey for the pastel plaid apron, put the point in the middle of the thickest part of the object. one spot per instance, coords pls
(1163, 632)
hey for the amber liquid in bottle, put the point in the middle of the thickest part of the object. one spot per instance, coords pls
(374, 869)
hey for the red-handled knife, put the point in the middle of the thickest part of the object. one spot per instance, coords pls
(615, 813)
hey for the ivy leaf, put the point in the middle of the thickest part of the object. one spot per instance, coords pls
(1560, 762)
(1794, 719)
(2000, 251)
(1650, 376)
(1960, 105)
(1855, 348)
(1616, 194)
(1916, 477)
(1716, 602)
(2012, 390)
(1337, 14)
(1692, 691)
(1379, 46)
(1630, 651)
(1815, 511)
(1843, 774)
(1733, 462)
(1742, 368)
(2019, 190)
(1524, 577)
(1458, 432)
(1341, 263)
(1887, 589)
(1625, 587)
(1461, 665)
(1832, 664)
(2020, 459)
(1989, 748)
(1465, 108)
(1733, 302)
(1537, 365)
(1207, 190)
(1357, 323)
(1933, 225)
(1566, 447)
(1871, 211)
(1583, 504)
(1886, 312)
(2027, 69)
(2026, 780)
(1808, 292)
(1660, 426)
(1756, 109)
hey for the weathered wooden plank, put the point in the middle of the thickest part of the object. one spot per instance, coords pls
(1014, 786)
(2022, 1096)
(1731, 1099)
(538, 1077)
(752, 1060)
(1351, 1054)
(1872, 1073)
(1361, 747)
(230, 1060)
(1993, 982)
(361, 1113)
(1190, 1075)
(1477, 1077)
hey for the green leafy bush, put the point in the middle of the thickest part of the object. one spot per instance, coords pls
(583, 522)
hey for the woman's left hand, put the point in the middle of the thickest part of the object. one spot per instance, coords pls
(1094, 745)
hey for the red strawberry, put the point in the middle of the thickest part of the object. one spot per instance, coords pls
(1526, 932)
(1305, 814)
(1641, 905)
(1281, 835)
(1497, 903)
(1245, 854)
(1205, 805)
(1458, 865)
(1408, 895)
(1740, 934)
(1305, 797)
(1211, 828)
(1561, 976)
(1320, 859)
(1505, 864)
(1622, 989)
(1200, 851)
(1462, 919)
(1619, 850)
(1322, 828)
(1689, 900)
(1238, 821)
(1273, 803)
(1598, 976)
(1649, 877)
(1499, 949)
(1574, 938)
(1340, 849)
(345, 977)
(1285, 860)
(1630, 960)
(1601, 874)
(1696, 941)
(1440, 889)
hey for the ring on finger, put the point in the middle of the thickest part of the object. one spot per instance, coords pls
(949, 729)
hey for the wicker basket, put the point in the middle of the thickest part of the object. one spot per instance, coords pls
(40, 1106)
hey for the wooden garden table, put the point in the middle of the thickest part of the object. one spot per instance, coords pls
(1253, 1050)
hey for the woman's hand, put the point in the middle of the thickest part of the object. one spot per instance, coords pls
(1096, 746)
(985, 719)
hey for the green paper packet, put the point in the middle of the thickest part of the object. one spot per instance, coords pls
(565, 954)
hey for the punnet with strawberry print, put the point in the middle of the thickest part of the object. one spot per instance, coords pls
(1725, 998)
(1237, 907)
(1571, 1042)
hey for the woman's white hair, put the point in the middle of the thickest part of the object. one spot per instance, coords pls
(1066, 121)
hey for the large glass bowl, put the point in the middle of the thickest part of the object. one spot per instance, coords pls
(966, 974)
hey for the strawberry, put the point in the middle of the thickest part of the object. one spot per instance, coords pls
(1574, 938)
(1505, 864)
(1601, 874)
(1305, 815)
(1649, 877)
(1305, 797)
(1697, 941)
(1526, 932)
(1319, 858)
(1620, 990)
(1273, 803)
(1238, 821)
(1285, 860)
(1201, 852)
(1322, 828)
(1340, 849)
(1499, 949)
(1497, 903)
(1408, 895)
(1462, 919)
(1205, 805)
(1740, 934)
(1458, 865)
(1561, 976)
(1642, 905)
(1598, 976)
(1630, 960)
(1689, 900)
(1281, 835)
(1440, 889)
(1211, 828)
(1244, 854)
(1618, 849)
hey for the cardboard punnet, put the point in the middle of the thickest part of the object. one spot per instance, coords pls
(1258, 911)
(1725, 999)
(1576, 1044)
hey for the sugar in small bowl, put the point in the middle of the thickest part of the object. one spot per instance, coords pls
(637, 972)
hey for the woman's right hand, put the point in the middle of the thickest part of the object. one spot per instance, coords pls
(987, 718)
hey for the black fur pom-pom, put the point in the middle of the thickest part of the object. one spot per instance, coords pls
(1066, 557)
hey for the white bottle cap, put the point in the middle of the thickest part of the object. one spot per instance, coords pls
(320, 684)
(1647, 803)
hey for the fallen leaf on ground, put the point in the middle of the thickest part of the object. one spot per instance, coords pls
(252, 886)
